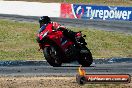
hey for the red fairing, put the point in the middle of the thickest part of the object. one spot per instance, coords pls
(48, 28)
(56, 36)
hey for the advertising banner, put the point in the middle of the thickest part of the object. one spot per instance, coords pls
(81, 11)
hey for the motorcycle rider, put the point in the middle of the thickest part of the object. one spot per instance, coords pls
(45, 21)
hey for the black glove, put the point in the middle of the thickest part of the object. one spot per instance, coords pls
(61, 29)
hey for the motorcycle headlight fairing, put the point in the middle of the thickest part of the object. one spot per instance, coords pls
(45, 34)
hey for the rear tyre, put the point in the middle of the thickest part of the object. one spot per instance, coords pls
(85, 59)
(52, 56)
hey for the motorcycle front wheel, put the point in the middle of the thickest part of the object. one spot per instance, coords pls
(85, 58)
(52, 56)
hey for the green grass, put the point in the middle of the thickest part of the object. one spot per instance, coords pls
(97, 2)
(17, 42)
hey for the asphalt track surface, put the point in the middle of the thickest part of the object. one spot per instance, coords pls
(66, 70)
(42, 68)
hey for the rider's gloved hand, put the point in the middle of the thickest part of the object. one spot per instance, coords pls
(61, 28)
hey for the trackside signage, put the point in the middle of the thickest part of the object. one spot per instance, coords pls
(83, 78)
(101, 12)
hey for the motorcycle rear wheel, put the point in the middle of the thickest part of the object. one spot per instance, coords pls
(85, 59)
(52, 56)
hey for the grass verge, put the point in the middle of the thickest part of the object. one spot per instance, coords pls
(17, 42)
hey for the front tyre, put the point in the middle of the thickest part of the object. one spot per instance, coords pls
(85, 58)
(52, 56)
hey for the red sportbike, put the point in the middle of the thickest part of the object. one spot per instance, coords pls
(58, 49)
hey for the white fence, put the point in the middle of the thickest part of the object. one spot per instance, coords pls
(30, 8)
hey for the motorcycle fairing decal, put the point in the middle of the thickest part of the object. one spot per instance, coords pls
(45, 34)
(63, 40)
(42, 28)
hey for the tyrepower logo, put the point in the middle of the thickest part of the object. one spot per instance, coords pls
(102, 12)
(83, 78)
